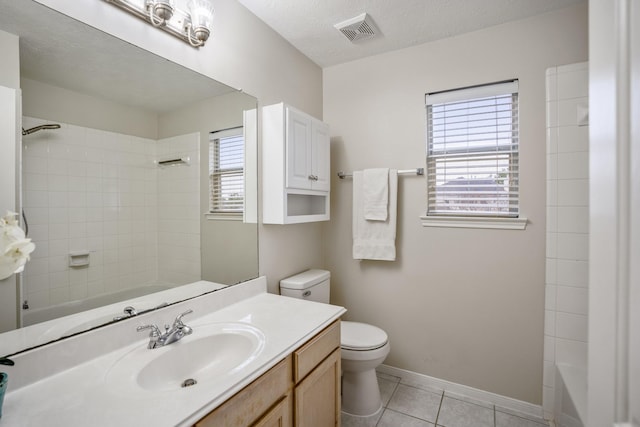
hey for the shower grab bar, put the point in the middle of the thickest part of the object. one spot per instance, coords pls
(416, 171)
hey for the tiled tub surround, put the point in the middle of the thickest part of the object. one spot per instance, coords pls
(102, 192)
(565, 336)
(64, 383)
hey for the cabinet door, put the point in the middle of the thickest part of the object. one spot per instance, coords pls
(253, 402)
(317, 397)
(298, 152)
(278, 416)
(320, 157)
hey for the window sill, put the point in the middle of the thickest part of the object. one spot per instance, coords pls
(471, 222)
(222, 217)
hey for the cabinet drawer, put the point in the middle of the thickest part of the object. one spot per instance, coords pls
(279, 415)
(252, 402)
(307, 357)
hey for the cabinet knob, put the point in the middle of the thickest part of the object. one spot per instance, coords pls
(313, 177)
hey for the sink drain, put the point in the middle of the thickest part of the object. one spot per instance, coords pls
(189, 382)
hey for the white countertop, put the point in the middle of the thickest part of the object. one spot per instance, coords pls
(80, 395)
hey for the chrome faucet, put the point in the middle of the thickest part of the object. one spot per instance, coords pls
(172, 333)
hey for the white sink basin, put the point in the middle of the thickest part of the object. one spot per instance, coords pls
(210, 353)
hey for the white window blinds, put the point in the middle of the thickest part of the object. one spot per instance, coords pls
(226, 172)
(472, 151)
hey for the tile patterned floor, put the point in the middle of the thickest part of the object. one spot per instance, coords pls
(407, 405)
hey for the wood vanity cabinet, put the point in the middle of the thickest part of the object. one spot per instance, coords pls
(295, 167)
(303, 390)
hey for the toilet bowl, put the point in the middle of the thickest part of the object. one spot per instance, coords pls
(363, 347)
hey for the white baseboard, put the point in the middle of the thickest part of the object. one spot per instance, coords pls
(511, 405)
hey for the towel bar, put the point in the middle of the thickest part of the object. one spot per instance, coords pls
(416, 171)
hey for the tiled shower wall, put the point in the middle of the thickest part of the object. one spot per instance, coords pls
(565, 340)
(89, 190)
(179, 210)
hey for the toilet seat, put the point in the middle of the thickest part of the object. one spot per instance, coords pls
(361, 336)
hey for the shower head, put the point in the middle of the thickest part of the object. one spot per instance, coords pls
(41, 127)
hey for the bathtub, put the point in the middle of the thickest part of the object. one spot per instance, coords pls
(31, 317)
(570, 409)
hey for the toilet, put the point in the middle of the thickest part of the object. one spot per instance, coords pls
(363, 347)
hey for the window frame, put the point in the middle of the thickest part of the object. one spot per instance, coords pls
(469, 219)
(214, 144)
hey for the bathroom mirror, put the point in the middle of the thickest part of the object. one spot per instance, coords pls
(115, 197)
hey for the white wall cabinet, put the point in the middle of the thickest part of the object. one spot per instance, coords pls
(296, 166)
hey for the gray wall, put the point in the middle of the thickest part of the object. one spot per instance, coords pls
(49, 102)
(464, 305)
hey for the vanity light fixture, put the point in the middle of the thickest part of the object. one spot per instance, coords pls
(191, 24)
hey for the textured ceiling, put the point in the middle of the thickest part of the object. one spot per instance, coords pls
(63, 52)
(309, 24)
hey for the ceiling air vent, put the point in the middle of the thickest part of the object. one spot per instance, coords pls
(358, 29)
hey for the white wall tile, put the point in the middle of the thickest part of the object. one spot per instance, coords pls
(574, 165)
(571, 326)
(571, 352)
(32, 164)
(58, 295)
(550, 293)
(58, 182)
(37, 216)
(552, 245)
(59, 279)
(572, 300)
(35, 182)
(41, 250)
(549, 374)
(573, 139)
(571, 272)
(37, 283)
(77, 214)
(78, 275)
(568, 111)
(566, 292)
(552, 84)
(35, 199)
(552, 192)
(573, 84)
(58, 199)
(570, 68)
(57, 166)
(573, 219)
(550, 322)
(58, 215)
(573, 192)
(573, 246)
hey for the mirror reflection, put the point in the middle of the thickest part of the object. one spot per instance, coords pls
(128, 188)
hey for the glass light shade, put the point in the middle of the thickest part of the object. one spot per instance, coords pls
(201, 14)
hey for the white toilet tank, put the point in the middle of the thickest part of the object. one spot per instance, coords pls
(312, 285)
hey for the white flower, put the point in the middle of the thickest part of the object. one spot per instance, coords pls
(14, 247)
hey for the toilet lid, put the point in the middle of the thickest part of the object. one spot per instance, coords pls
(361, 336)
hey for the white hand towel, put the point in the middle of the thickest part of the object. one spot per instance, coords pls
(375, 193)
(374, 240)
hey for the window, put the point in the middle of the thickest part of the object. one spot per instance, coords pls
(226, 174)
(472, 152)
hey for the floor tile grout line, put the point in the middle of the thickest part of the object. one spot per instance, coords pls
(439, 408)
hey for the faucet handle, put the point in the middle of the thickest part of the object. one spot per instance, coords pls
(178, 321)
(155, 331)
